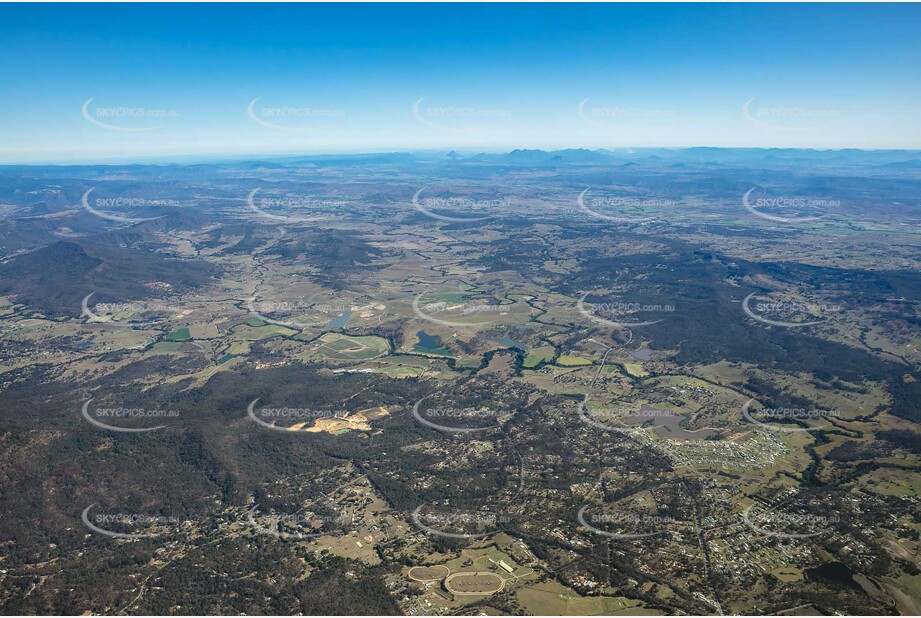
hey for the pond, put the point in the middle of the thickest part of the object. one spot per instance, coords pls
(668, 424)
(833, 573)
(341, 321)
(643, 354)
(508, 342)
(430, 344)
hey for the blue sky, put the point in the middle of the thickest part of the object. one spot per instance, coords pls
(173, 80)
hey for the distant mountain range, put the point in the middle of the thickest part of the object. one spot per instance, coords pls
(671, 157)
(702, 155)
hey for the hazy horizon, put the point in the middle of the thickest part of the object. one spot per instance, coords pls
(197, 158)
(107, 82)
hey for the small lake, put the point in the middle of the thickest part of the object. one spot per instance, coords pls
(643, 354)
(667, 424)
(508, 342)
(430, 344)
(833, 573)
(341, 321)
